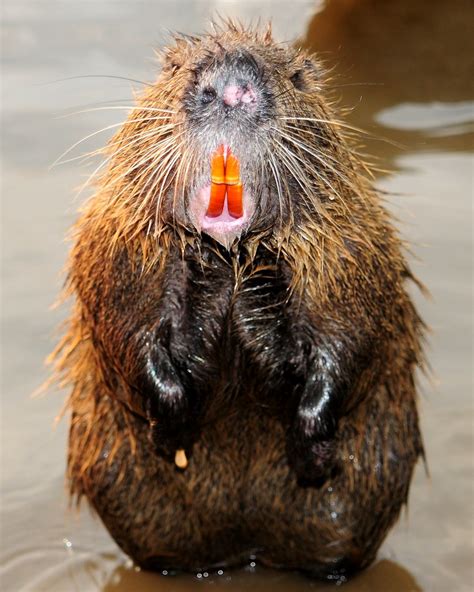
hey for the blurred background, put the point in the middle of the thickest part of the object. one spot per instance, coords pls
(405, 70)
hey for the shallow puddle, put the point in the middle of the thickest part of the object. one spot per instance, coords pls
(404, 69)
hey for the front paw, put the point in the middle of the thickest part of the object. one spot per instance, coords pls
(172, 425)
(311, 451)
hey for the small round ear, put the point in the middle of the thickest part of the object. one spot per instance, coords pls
(297, 80)
(173, 57)
(169, 66)
(302, 75)
(172, 67)
(171, 61)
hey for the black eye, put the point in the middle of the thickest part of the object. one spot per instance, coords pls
(208, 94)
(297, 79)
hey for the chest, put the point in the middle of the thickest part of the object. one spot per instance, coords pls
(233, 320)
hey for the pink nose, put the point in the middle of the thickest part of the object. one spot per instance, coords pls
(234, 94)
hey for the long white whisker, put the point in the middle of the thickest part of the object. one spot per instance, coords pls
(162, 130)
(276, 176)
(310, 131)
(328, 121)
(102, 165)
(163, 169)
(304, 147)
(143, 174)
(155, 149)
(288, 160)
(118, 107)
(324, 154)
(162, 187)
(104, 129)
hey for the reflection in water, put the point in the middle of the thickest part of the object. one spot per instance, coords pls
(405, 67)
(384, 576)
(404, 52)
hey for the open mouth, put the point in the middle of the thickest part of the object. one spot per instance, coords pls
(222, 208)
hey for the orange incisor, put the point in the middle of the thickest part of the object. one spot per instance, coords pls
(225, 179)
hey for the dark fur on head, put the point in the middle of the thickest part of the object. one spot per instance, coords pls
(292, 152)
(281, 360)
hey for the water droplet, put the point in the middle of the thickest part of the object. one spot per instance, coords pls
(67, 543)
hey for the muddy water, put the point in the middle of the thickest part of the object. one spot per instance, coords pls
(404, 69)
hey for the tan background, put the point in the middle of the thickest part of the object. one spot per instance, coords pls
(405, 67)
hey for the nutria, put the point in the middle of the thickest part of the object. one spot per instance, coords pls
(242, 348)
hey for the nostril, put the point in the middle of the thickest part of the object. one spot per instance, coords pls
(235, 94)
(208, 95)
(248, 96)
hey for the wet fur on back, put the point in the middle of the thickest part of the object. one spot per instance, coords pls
(281, 359)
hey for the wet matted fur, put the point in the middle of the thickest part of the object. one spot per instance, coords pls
(280, 359)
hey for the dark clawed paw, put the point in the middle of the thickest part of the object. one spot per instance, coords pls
(313, 462)
(167, 440)
(311, 455)
(171, 424)
(319, 464)
(170, 421)
(167, 407)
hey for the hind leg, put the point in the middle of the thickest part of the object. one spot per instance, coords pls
(336, 529)
(239, 494)
(160, 516)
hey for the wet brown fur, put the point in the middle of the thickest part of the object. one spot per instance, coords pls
(239, 494)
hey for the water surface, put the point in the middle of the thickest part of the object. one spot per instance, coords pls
(405, 70)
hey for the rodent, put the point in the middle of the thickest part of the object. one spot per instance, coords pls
(269, 353)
